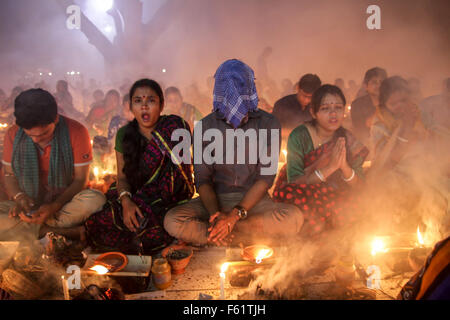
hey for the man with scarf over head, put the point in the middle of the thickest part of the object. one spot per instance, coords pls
(234, 198)
(46, 165)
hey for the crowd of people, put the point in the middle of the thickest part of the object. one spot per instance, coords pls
(48, 153)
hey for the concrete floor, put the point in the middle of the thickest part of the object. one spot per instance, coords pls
(202, 276)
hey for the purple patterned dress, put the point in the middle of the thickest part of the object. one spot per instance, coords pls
(168, 184)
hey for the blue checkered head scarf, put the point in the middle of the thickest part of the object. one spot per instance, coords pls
(234, 91)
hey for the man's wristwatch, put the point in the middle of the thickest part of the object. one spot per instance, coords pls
(242, 213)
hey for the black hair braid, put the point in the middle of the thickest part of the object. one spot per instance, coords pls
(133, 146)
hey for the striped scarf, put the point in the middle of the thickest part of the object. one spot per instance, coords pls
(25, 163)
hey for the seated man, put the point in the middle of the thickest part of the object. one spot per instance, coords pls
(233, 194)
(46, 163)
(294, 110)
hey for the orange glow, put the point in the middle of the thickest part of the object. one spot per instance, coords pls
(96, 171)
(224, 267)
(419, 237)
(378, 246)
(100, 269)
(262, 254)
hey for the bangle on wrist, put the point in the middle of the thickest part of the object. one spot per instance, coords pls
(351, 177)
(320, 175)
(18, 194)
(124, 193)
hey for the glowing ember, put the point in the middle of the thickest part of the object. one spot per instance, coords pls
(419, 237)
(99, 269)
(378, 246)
(263, 253)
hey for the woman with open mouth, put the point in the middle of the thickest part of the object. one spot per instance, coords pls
(324, 161)
(149, 183)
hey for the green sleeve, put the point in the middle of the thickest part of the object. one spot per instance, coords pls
(119, 139)
(299, 144)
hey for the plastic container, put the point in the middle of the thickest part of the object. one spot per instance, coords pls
(162, 277)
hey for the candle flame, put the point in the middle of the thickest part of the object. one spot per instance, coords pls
(224, 267)
(419, 237)
(96, 172)
(261, 255)
(99, 269)
(284, 152)
(378, 246)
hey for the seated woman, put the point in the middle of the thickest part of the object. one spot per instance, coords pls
(401, 153)
(149, 183)
(101, 114)
(323, 161)
(176, 105)
(397, 126)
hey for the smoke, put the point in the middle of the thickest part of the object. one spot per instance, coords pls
(287, 269)
(414, 193)
(324, 37)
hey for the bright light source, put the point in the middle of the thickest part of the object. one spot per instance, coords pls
(378, 246)
(224, 267)
(68, 72)
(50, 74)
(108, 29)
(419, 237)
(40, 73)
(102, 5)
(72, 73)
(100, 269)
(164, 70)
(263, 253)
(78, 72)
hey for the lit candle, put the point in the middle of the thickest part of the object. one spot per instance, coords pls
(420, 238)
(96, 174)
(65, 287)
(223, 269)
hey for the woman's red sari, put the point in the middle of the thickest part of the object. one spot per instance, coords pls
(325, 205)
